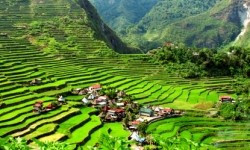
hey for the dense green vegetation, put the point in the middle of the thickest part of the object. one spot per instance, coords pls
(122, 14)
(207, 23)
(191, 63)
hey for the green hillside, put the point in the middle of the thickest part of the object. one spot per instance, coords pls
(121, 14)
(69, 17)
(207, 23)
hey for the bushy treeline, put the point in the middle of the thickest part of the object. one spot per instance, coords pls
(193, 62)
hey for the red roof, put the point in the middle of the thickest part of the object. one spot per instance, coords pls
(136, 122)
(226, 97)
(96, 86)
(168, 109)
(50, 105)
(101, 98)
(118, 110)
(37, 105)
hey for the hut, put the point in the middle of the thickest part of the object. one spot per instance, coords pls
(85, 100)
(36, 82)
(102, 98)
(225, 99)
(134, 125)
(168, 111)
(38, 107)
(61, 100)
(134, 136)
(91, 96)
(96, 87)
(76, 91)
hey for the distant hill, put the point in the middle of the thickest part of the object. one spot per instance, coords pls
(49, 19)
(207, 23)
(120, 14)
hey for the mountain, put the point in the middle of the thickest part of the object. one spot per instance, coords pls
(244, 36)
(207, 23)
(46, 23)
(120, 14)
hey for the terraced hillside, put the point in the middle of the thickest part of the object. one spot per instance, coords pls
(41, 49)
(206, 131)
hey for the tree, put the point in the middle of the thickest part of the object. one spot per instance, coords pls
(175, 143)
(142, 127)
(18, 143)
(233, 111)
(14, 143)
(48, 145)
(107, 142)
(110, 92)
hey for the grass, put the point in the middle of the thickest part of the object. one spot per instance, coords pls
(81, 133)
(47, 128)
(114, 129)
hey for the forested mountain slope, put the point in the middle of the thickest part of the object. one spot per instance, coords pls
(120, 14)
(48, 20)
(207, 23)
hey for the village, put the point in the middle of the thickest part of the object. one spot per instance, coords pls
(116, 105)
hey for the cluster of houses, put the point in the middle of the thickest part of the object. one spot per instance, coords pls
(39, 108)
(151, 112)
(95, 99)
(108, 113)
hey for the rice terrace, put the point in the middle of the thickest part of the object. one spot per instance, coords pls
(65, 79)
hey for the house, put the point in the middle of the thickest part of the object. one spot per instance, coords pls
(102, 103)
(146, 112)
(156, 109)
(111, 115)
(85, 100)
(38, 107)
(120, 104)
(225, 99)
(91, 96)
(96, 87)
(134, 125)
(76, 91)
(61, 100)
(36, 81)
(116, 113)
(102, 98)
(134, 136)
(168, 111)
(120, 112)
(50, 106)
